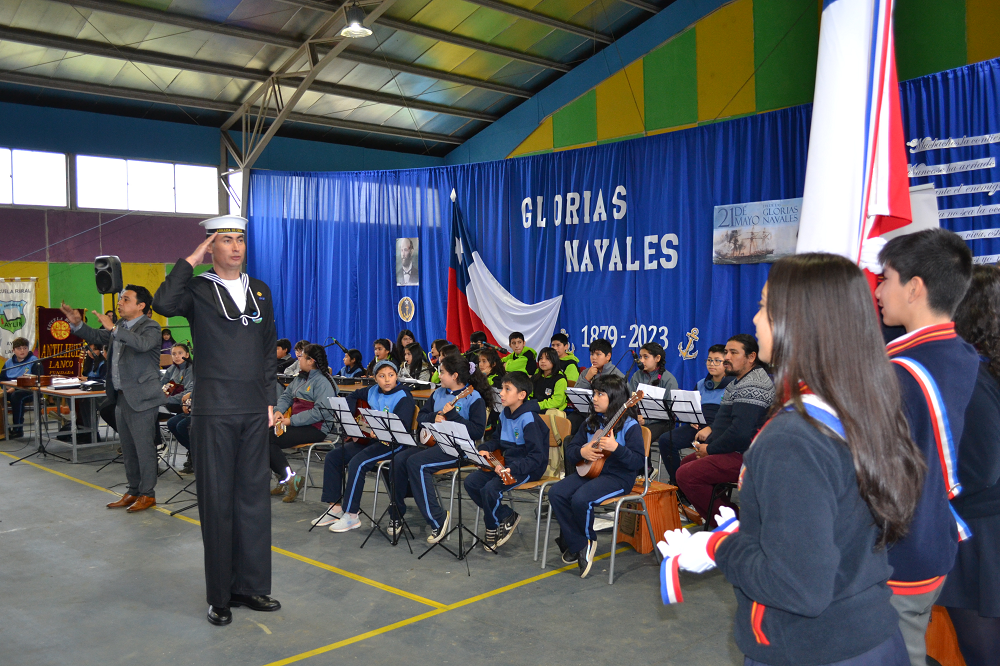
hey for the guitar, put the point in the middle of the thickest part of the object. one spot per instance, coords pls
(172, 388)
(592, 469)
(279, 427)
(426, 437)
(497, 459)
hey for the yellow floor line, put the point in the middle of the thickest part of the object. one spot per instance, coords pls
(429, 614)
(280, 551)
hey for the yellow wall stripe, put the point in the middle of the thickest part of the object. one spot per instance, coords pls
(620, 104)
(726, 62)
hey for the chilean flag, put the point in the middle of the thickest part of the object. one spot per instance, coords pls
(856, 181)
(477, 301)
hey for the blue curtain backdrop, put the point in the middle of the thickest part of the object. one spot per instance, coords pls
(641, 272)
(963, 102)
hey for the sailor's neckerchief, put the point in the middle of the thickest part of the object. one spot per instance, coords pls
(245, 281)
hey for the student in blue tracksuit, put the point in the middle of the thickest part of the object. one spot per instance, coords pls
(574, 498)
(416, 467)
(353, 365)
(523, 438)
(362, 456)
(22, 362)
(925, 277)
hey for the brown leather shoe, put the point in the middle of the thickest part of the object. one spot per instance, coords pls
(142, 503)
(126, 500)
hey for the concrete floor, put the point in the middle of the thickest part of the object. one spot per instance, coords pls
(83, 585)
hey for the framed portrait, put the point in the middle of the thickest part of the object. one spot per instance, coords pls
(407, 262)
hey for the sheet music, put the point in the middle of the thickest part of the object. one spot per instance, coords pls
(651, 406)
(687, 406)
(448, 434)
(344, 417)
(581, 399)
(387, 427)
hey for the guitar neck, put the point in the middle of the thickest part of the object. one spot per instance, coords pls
(610, 427)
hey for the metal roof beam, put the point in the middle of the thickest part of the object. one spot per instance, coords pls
(284, 41)
(20, 78)
(644, 6)
(528, 15)
(203, 66)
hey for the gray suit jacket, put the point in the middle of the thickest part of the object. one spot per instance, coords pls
(139, 365)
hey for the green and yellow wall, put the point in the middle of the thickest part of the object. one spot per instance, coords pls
(752, 56)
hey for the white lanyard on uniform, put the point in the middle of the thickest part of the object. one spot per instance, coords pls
(245, 281)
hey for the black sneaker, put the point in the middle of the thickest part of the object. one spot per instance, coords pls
(188, 468)
(562, 545)
(570, 558)
(437, 534)
(506, 528)
(394, 527)
(585, 558)
(490, 542)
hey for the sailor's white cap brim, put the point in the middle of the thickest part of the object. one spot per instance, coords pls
(225, 224)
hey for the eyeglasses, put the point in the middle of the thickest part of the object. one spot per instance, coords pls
(714, 361)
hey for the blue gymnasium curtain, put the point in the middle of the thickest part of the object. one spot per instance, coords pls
(956, 104)
(325, 242)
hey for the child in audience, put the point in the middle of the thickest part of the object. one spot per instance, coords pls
(363, 455)
(23, 362)
(569, 364)
(383, 352)
(491, 366)
(354, 366)
(447, 349)
(574, 498)
(284, 353)
(549, 383)
(652, 371)
(600, 364)
(523, 438)
(294, 369)
(416, 365)
(403, 340)
(520, 358)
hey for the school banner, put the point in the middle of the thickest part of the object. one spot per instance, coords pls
(17, 313)
(55, 337)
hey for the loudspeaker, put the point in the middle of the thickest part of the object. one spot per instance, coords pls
(108, 274)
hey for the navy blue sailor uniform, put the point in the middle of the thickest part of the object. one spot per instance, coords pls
(523, 438)
(236, 375)
(417, 466)
(573, 499)
(362, 456)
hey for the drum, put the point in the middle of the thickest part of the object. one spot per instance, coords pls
(661, 502)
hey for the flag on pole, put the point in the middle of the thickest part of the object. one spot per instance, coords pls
(856, 181)
(477, 301)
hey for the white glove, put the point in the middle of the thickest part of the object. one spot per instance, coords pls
(689, 549)
(726, 520)
(869, 255)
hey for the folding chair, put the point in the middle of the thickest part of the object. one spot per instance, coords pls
(638, 494)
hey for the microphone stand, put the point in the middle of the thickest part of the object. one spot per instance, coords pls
(36, 392)
(330, 344)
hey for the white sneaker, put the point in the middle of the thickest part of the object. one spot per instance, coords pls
(346, 523)
(329, 516)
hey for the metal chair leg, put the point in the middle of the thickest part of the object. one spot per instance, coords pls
(614, 542)
(545, 545)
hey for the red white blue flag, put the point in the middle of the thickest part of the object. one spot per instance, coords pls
(856, 181)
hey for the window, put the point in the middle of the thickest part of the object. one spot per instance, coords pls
(38, 179)
(118, 184)
(6, 184)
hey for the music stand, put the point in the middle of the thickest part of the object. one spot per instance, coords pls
(581, 399)
(348, 428)
(686, 407)
(388, 429)
(183, 490)
(453, 438)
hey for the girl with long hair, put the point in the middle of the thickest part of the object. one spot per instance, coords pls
(652, 370)
(403, 340)
(306, 401)
(181, 373)
(831, 480)
(415, 467)
(573, 498)
(491, 366)
(354, 366)
(383, 352)
(972, 590)
(549, 381)
(415, 364)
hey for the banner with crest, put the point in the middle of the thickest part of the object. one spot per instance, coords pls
(17, 313)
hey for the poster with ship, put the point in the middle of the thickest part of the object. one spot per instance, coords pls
(756, 232)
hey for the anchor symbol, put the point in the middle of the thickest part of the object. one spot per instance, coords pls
(685, 352)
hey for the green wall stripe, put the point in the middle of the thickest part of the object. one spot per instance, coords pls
(670, 81)
(786, 42)
(930, 36)
(576, 123)
(74, 283)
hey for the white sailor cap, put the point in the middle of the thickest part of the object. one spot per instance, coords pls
(225, 224)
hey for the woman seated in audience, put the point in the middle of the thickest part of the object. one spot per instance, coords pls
(181, 374)
(491, 366)
(403, 340)
(353, 365)
(416, 365)
(383, 352)
(302, 411)
(549, 381)
(168, 341)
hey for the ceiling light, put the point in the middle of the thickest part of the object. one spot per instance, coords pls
(355, 27)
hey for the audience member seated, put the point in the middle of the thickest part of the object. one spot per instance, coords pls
(719, 449)
(520, 358)
(549, 382)
(180, 426)
(285, 357)
(383, 352)
(435, 354)
(600, 364)
(23, 362)
(416, 365)
(711, 388)
(181, 373)
(168, 341)
(294, 369)
(303, 410)
(491, 366)
(652, 371)
(445, 350)
(95, 364)
(403, 340)
(354, 366)
(569, 364)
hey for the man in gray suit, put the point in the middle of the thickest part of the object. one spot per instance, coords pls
(133, 381)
